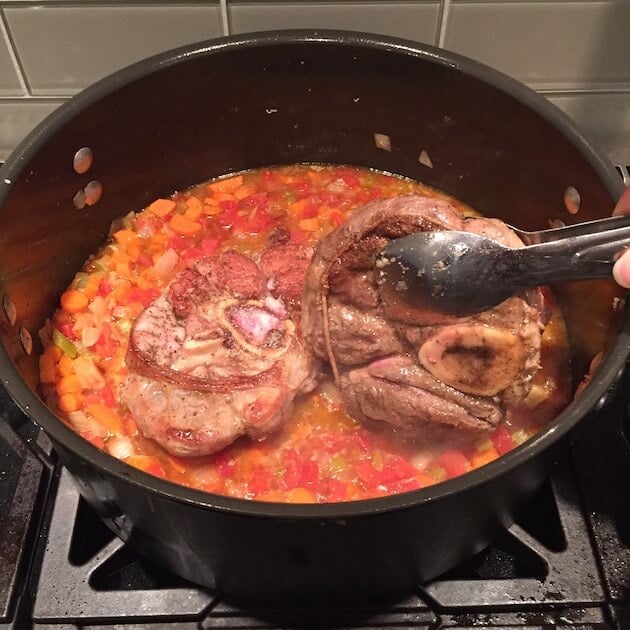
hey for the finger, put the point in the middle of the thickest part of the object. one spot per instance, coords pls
(621, 271)
(623, 205)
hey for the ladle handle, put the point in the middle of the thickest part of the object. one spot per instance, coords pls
(571, 231)
(578, 258)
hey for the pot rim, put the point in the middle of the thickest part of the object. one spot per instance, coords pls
(30, 403)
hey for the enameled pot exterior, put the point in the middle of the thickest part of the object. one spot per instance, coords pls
(280, 98)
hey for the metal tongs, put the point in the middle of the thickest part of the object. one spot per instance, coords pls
(460, 273)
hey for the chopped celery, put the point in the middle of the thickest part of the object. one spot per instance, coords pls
(129, 220)
(439, 474)
(81, 280)
(64, 344)
(337, 464)
(518, 437)
(485, 445)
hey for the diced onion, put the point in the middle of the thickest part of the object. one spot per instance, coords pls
(81, 423)
(88, 374)
(165, 263)
(89, 336)
(330, 393)
(98, 306)
(120, 448)
(421, 459)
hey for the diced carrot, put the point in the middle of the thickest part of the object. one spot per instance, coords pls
(55, 352)
(69, 402)
(243, 191)
(218, 197)
(271, 496)
(298, 207)
(146, 279)
(183, 226)
(426, 480)
(65, 365)
(69, 385)
(453, 461)
(124, 237)
(300, 495)
(252, 457)
(74, 301)
(121, 291)
(211, 208)
(147, 463)
(134, 249)
(481, 458)
(310, 225)
(106, 416)
(47, 372)
(226, 185)
(194, 208)
(180, 464)
(161, 207)
(122, 269)
(92, 286)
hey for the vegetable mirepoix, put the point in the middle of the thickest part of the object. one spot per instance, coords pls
(321, 454)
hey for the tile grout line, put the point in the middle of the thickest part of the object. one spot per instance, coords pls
(444, 18)
(4, 27)
(225, 17)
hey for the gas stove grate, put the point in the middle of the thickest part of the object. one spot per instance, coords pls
(532, 573)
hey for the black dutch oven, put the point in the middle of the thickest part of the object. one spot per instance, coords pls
(279, 98)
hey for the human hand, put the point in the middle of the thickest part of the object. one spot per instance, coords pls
(621, 270)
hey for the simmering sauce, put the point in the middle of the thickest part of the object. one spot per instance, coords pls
(320, 454)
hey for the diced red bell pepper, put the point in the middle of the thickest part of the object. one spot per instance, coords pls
(229, 218)
(144, 260)
(336, 490)
(209, 245)
(352, 181)
(367, 473)
(107, 396)
(258, 222)
(502, 440)
(329, 198)
(192, 254)
(228, 205)
(308, 212)
(302, 188)
(454, 462)
(396, 469)
(143, 296)
(257, 201)
(260, 481)
(93, 439)
(374, 193)
(104, 288)
(225, 467)
(293, 470)
(178, 243)
(310, 473)
(105, 345)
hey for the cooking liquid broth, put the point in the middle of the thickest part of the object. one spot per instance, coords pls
(320, 454)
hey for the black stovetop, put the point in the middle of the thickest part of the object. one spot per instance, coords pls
(565, 562)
